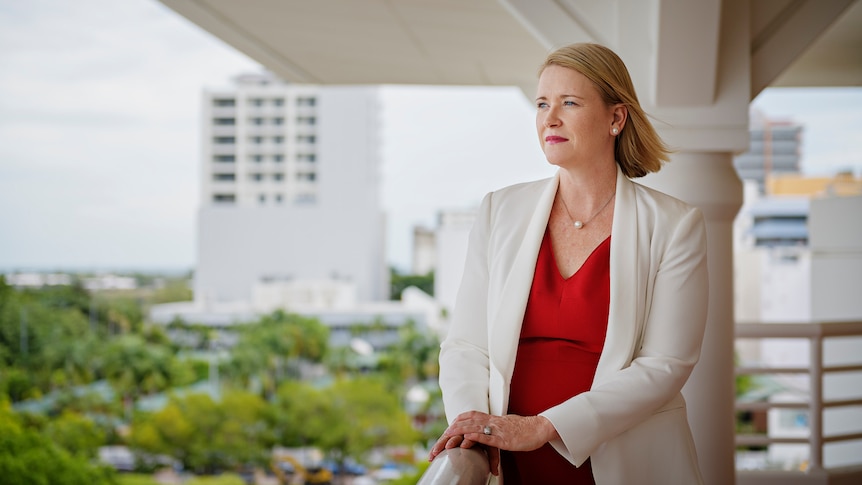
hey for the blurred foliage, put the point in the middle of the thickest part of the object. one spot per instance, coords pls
(399, 281)
(205, 435)
(412, 478)
(136, 479)
(28, 457)
(140, 479)
(413, 358)
(77, 434)
(173, 290)
(224, 479)
(89, 357)
(363, 415)
(270, 350)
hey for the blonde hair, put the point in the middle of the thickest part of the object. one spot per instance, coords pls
(638, 148)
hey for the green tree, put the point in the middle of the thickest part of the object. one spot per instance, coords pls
(363, 415)
(45, 335)
(205, 435)
(245, 435)
(301, 414)
(77, 434)
(398, 282)
(347, 419)
(135, 367)
(27, 457)
(413, 358)
(270, 349)
(175, 289)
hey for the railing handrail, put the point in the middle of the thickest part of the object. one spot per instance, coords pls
(799, 330)
(457, 466)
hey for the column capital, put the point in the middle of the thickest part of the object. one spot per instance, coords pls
(704, 179)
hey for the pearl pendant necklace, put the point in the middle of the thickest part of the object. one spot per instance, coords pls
(579, 224)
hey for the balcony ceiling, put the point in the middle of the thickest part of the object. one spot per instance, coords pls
(489, 42)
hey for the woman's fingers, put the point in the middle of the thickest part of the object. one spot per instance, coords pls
(447, 442)
(493, 459)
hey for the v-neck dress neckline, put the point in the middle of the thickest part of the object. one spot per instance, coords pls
(561, 339)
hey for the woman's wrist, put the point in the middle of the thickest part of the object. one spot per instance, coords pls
(546, 428)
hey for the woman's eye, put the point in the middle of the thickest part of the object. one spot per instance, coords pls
(541, 105)
(569, 103)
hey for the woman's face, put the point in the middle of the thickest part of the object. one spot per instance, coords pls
(573, 121)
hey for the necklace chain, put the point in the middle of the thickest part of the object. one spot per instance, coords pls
(580, 224)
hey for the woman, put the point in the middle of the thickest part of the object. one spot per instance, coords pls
(583, 302)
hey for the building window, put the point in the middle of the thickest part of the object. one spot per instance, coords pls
(278, 158)
(257, 158)
(224, 140)
(261, 198)
(256, 121)
(306, 120)
(224, 198)
(306, 157)
(305, 199)
(224, 102)
(257, 177)
(278, 121)
(278, 177)
(224, 121)
(255, 102)
(278, 198)
(224, 158)
(306, 139)
(309, 176)
(278, 139)
(257, 140)
(306, 101)
(224, 177)
(278, 101)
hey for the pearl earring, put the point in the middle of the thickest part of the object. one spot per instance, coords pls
(616, 130)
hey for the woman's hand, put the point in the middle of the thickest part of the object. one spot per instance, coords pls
(510, 432)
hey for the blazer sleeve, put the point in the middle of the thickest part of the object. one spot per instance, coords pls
(464, 364)
(669, 348)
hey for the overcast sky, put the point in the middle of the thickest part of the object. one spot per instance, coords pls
(99, 137)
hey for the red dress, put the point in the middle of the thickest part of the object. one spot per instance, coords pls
(561, 339)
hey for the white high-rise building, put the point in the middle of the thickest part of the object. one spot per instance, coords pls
(290, 190)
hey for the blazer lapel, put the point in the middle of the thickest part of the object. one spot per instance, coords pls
(622, 317)
(505, 323)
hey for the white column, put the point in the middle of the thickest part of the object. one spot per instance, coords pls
(709, 181)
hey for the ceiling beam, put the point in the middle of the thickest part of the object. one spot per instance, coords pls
(241, 39)
(781, 36)
(551, 22)
(687, 42)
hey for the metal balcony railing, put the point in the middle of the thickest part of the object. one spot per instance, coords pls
(815, 333)
(470, 466)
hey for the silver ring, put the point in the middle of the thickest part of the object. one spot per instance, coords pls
(487, 430)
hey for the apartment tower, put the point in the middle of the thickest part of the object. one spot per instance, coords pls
(289, 189)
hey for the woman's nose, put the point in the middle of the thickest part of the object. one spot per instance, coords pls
(551, 119)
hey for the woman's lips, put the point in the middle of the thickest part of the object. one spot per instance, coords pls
(555, 139)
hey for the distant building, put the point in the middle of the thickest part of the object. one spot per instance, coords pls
(424, 250)
(289, 189)
(290, 215)
(37, 280)
(774, 149)
(773, 253)
(798, 258)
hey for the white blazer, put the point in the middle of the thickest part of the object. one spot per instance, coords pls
(632, 422)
